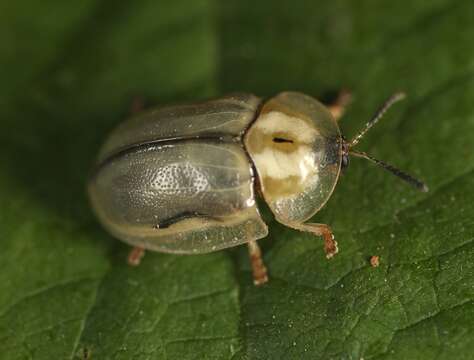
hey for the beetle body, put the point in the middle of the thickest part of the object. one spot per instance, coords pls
(183, 179)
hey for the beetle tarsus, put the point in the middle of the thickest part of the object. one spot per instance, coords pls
(259, 269)
(338, 107)
(330, 245)
(135, 256)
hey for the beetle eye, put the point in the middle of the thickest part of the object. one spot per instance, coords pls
(282, 140)
(344, 162)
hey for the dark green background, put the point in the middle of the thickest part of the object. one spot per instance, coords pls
(68, 73)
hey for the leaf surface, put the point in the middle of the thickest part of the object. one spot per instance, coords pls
(69, 73)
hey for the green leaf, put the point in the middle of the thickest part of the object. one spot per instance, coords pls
(69, 73)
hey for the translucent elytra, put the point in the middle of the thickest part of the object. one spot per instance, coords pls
(178, 179)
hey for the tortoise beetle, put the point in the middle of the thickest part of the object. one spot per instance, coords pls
(183, 179)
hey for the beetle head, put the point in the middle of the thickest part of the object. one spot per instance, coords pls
(345, 154)
(348, 145)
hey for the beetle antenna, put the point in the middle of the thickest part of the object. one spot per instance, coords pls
(378, 115)
(420, 185)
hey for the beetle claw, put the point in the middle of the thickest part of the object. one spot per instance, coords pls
(260, 281)
(332, 250)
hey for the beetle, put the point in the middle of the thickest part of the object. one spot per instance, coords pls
(184, 179)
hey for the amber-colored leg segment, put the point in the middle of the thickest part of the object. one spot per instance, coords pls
(338, 107)
(330, 245)
(135, 256)
(259, 270)
(137, 105)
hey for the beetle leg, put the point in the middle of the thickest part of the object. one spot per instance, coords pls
(258, 267)
(330, 245)
(137, 105)
(135, 256)
(338, 107)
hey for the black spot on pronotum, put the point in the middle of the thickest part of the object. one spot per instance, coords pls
(282, 140)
